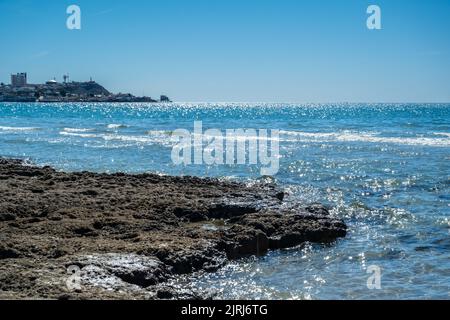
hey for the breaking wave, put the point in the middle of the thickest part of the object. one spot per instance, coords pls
(19, 129)
(349, 136)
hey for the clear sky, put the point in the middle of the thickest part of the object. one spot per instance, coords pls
(236, 50)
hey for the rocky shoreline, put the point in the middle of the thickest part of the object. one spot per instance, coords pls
(55, 92)
(117, 236)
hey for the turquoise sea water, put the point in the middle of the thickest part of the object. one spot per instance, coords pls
(384, 169)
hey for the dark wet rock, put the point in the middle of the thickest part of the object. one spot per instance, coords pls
(8, 253)
(254, 234)
(37, 190)
(7, 216)
(167, 292)
(130, 234)
(190, 215)
(244, 241)
(207, 257)
(280, 195)
(231, 210)
(285, 230)
(317, 209)
(83, 231)
(90, 193)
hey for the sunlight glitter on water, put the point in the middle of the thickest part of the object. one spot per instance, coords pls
(384, 169)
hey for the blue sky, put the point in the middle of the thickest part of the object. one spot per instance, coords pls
(236, 50)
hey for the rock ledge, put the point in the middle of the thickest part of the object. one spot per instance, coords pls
(128, 234)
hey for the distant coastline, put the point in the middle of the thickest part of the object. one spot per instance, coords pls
(52, 91)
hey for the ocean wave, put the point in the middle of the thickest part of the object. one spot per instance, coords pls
(19, 129)
(141, 139)
(113, 137)
(240, 138)
(81, 135)
(159, 132)
(77, 130)
(116, 126)
(445, 134)
(350, 136)
(164, 137)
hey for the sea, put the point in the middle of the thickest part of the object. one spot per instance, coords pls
(383, 168)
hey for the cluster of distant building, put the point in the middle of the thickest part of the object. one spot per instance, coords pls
(53, 91)
(19, 80)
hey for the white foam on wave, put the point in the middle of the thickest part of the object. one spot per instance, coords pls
(164, 138)
(141, 139)
(81, 135)
(152, 137)
(445, 134)
(350, 136)
(239, 138)
(116, 126)
(112, 137)
(77, 130)
(18, 129)
(159, 132)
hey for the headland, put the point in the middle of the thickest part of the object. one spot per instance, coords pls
(52, 91)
